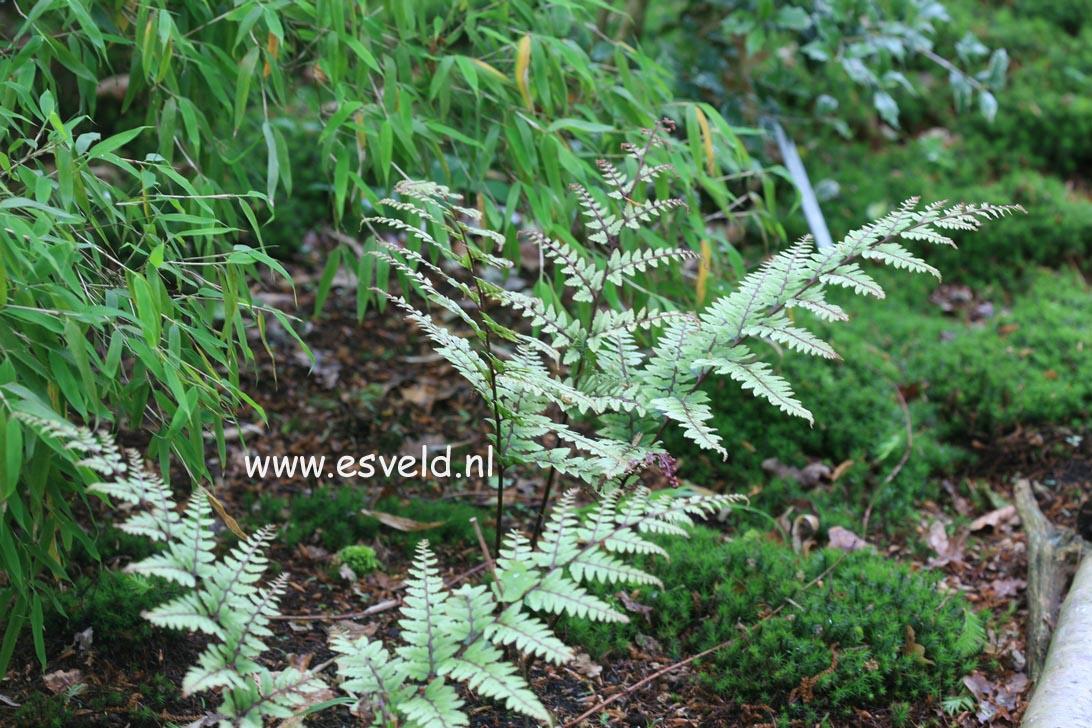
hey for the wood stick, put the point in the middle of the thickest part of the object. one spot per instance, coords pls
(1047, 572)
(1063, 693)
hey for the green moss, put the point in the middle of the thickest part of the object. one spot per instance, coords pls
(842, 630)
(361, 559)
(1031, 363)
(110, 602)
(42, 711)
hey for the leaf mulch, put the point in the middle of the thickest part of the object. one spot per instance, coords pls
(375, 386)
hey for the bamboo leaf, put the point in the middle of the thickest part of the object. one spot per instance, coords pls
(523, 70)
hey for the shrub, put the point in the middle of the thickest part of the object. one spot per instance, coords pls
(808, 634)
(757, 58)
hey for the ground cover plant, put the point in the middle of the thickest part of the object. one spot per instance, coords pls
(870, 633)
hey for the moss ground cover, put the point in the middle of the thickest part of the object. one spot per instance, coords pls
(810, 635)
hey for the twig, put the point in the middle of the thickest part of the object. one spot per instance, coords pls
(682, 663)
(485, 552)
(374, 609)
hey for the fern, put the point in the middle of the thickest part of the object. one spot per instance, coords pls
(588, 399)
(459, 636)
(224, 599)
(622, 373)
(449, 637)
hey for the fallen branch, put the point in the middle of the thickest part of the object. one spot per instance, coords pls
(1048, 549)
(1063, 694)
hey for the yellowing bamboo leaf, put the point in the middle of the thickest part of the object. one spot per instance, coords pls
(488, 69)
(523, 67)
(706, 140)
(703, 271)
(361, 138)
(230, 522)
(272, 45)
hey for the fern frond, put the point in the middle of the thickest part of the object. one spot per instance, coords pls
(437, 706)
(851, 276)
(615, 178)
(693, 413)
(456, 350)
(779, 330)
(600, 566)
(623, 263)
(553, 320)
(759, 378)
(189, 557)
(527, 634)
(580, 272)
(558, 594)
(373, 674)
(272, 695)
(897, 256)
(427, 646)
(636, 213)
(425, 191)
(602, 224)
(484, 671)
(814, 301)
(668, 372)
(424, 285)
(226, 663)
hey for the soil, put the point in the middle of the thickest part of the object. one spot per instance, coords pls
(376, 386)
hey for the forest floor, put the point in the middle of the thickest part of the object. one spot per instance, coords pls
(376, 386)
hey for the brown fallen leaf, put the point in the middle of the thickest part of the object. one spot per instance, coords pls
(912, 649)
(1009, 691)
(426, 393)
(937, 538)
(1003, 588)
(993, 519)
(632, 605)
(810, 476)
(845, 540)
(399, 523)
(584, 665)
(60, 680)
